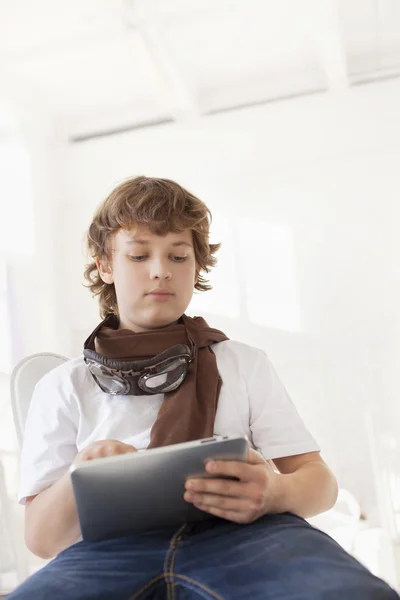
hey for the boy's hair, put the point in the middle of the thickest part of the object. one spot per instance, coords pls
(161, 204)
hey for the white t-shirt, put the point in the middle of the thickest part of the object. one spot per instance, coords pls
(68, 411)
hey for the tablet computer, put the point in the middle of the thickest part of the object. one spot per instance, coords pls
(144, 490)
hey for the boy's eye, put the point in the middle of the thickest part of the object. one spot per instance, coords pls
(179, 258)
(138, 258)
(143, 257)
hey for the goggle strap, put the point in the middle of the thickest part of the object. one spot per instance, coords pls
(109, 320)
(177, 351)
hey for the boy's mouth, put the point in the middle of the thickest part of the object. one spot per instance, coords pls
(160, 294)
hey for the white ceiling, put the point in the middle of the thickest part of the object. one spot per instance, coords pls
(100, 65)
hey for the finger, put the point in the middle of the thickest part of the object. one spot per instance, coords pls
(109, 450)
(230, 468)
(217, 486)
(220, 502)
(106, 450)
(123, 445)
(229, 515)
(96, 452)
(101, 449)
(120, 449)
(125, 448)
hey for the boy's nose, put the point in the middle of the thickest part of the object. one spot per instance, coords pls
(160, 271)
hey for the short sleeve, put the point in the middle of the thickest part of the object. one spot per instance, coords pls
(276, 426)
(49, 442)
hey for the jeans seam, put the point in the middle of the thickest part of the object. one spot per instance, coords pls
(145, 587)
(212, 594)
(164, 575)
(170, 558)
(170, 573)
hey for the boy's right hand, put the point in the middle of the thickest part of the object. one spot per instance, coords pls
(103, 448)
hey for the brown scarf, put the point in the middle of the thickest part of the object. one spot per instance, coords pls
(187, 413)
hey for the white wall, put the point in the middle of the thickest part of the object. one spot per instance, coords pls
(305, 195)
(33, 244)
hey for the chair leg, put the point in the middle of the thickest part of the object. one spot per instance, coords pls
(17, 551)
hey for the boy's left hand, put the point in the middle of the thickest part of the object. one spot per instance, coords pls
(255, 494)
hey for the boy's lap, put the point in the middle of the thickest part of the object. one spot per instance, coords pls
(278, 554)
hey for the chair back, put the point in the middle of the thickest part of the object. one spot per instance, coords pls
(24, 377)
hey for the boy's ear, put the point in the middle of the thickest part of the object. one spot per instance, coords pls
(105, 270)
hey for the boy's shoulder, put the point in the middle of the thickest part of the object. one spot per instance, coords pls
(233, 350)
(72, 370)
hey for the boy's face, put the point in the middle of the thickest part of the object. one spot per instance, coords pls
(142, 264)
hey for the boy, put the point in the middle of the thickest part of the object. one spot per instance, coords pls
(150, 249)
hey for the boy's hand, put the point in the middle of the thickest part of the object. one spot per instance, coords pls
(103, 448)
(243, 501)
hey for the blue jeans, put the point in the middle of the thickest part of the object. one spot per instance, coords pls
(279, 557)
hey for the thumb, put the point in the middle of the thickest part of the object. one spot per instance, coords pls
(255, 458)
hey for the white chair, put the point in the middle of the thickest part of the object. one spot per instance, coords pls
(24, 377)
(13, 554)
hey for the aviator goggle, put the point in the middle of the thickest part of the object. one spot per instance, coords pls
(157, 375)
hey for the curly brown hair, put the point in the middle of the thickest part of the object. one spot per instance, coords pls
(161, 204)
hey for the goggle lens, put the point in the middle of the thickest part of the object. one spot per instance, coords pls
(111, 383)
(165, 377)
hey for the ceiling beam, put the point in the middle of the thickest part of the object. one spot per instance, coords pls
(180, 100)
(329, 44)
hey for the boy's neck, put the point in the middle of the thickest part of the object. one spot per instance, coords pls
(126, 324)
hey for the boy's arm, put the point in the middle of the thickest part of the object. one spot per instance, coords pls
(307, 485)
(51, 518)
